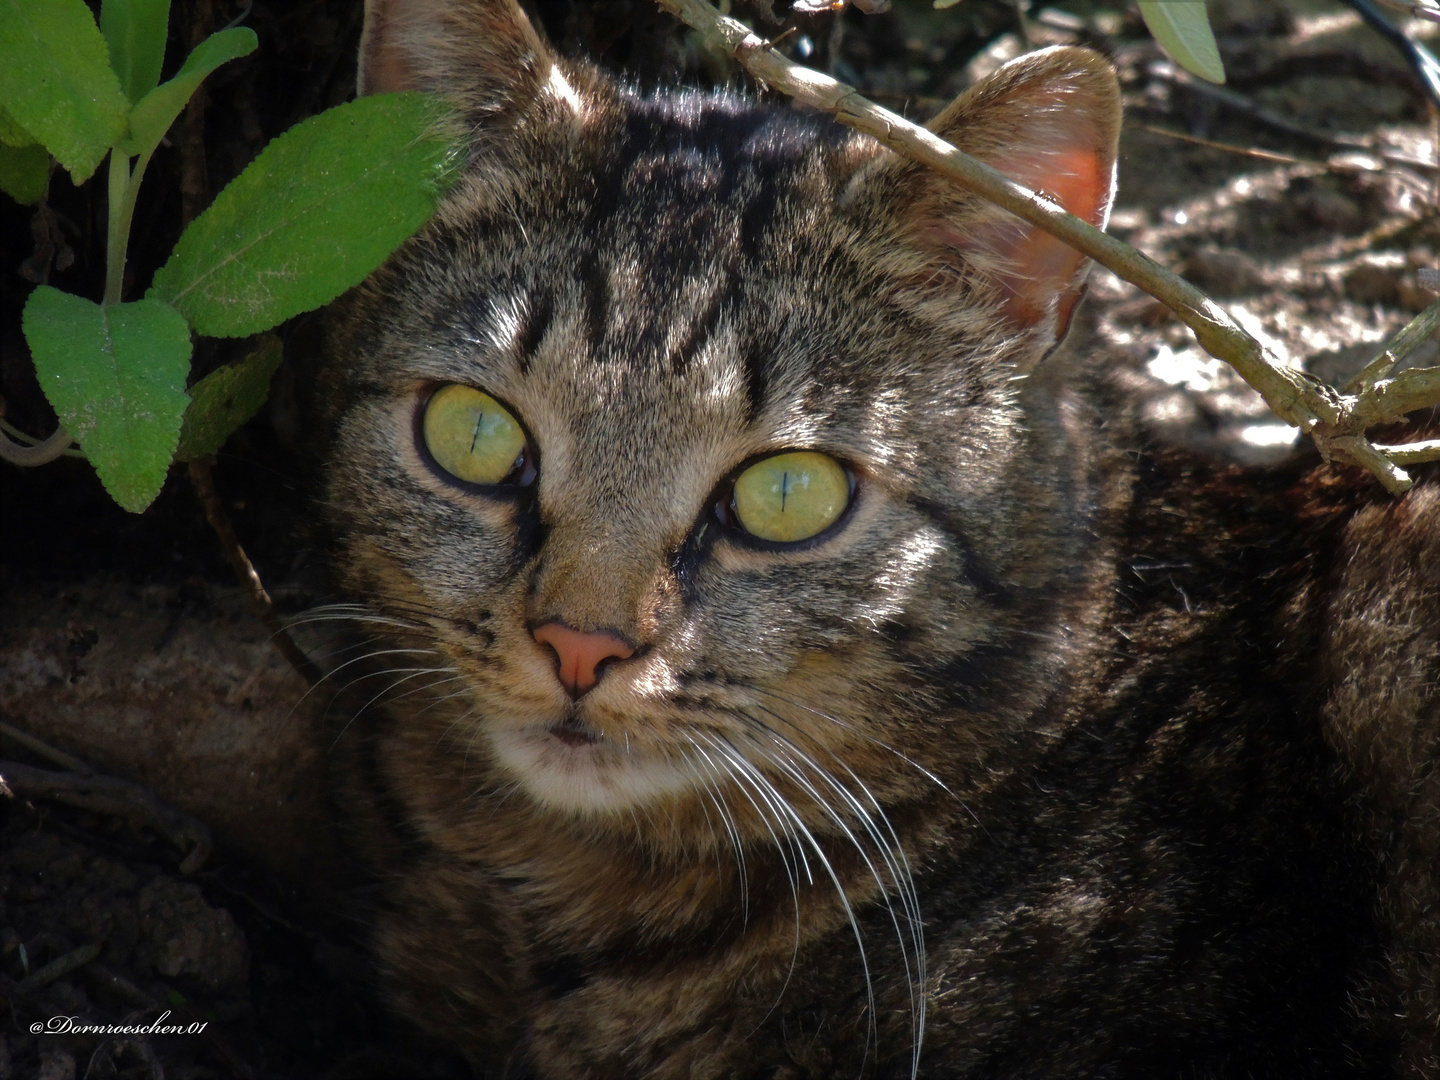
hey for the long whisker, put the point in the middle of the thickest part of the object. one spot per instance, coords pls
(730, 828)
(739, 761)
(852, 728)
(350, 663)
(869, 738)
(891, 851)
(409, 673)
(743, 782)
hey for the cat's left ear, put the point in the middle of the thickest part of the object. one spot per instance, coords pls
(483, 55)
(1050, 121)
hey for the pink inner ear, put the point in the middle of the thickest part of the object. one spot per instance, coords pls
(1042, 265)
(1032, 266)
(383, 65)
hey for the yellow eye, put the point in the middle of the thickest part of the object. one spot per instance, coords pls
(472, 436)
(791, 496)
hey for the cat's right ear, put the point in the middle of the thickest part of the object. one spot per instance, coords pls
(1049, 120)
(481, 55)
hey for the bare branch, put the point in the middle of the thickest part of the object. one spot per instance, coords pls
(44, 749)
(1356, 449)
(1390, 399)
(1405, 341)
(1336, 423)
(111, 795)
(202, 477)
(1412, 453)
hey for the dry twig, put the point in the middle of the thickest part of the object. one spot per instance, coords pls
(202, 476)
(110, 795)
(1335, 421)
(1239, 103)
(61, 966)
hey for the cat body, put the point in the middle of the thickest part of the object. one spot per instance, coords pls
(1047, 755)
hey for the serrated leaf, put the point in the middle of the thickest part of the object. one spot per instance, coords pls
(135, 31)
(226, 398)
(12, 134)
(1182, 29)
(25, 172)
(56, 81)
(321, 207)
(158, 109)
(115, 376)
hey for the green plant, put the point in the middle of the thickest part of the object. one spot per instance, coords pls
(313, 214)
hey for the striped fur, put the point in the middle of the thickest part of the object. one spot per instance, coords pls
(1014, 773)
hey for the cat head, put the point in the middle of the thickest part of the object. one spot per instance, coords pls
(697, 438)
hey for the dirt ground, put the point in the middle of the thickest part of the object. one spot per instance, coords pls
(1304, 201)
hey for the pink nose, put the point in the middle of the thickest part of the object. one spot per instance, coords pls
(580, 654)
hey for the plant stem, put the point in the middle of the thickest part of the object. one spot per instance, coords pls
(124, 191)
(42, 453)
(116, 241)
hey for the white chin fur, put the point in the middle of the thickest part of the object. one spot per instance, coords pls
(597, 779)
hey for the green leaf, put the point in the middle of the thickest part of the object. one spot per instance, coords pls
(322, 206)
(116, 378)
(135, 31)
(226, 398)
(158, 109)
(56, 81)
(11, 133)
(1183, 30)
(25, 172)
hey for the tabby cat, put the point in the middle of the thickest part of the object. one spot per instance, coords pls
(778, 657)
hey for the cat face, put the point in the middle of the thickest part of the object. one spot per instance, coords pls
(688, 445)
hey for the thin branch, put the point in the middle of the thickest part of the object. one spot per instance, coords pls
(202, 477)
(1229, 148)
(61, 966)
(1237, 102)
(1358, 450)
(121, 798)
(1245, 106)
(44, 749)
(1390, 399)
(1335, 422)
(1405, 341)
(1412, 453)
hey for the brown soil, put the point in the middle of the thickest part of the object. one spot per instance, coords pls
(125, 641)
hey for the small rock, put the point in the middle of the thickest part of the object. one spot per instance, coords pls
(184, 936)
(1223, 271)
(1375, 282)
(1320, 205)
